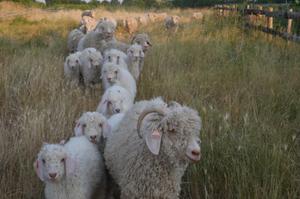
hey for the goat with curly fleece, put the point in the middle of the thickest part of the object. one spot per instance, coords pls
(93, 126)
(104, 32)
(113, 74)
(74, 37)
(90, 68)
(115, 99)
(117, 57)
(72, 67)
(142, 39)
(135, 59)
(150, 151)
(74, 170)
(172, 22)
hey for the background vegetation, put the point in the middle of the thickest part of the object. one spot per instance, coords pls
(166, 3)
(245, 85)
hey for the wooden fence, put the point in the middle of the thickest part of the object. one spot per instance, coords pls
(263, 20)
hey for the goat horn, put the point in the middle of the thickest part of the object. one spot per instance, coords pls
(173, 103)
(144, 114)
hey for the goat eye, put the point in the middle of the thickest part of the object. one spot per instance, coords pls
(84, 125)
(116, 72)
(62, 160)
(44, 161)
(100, 125)
(172, 130)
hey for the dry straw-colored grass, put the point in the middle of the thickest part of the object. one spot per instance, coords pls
(246, 89)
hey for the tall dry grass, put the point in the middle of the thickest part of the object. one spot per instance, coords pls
(245, 87)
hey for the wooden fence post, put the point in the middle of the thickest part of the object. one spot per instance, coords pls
(270, 24)
(249, 16)
(270, 19)
(260, 8)
(222, 10)
(290, 22)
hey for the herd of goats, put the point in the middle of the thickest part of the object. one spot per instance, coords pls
(124, 149)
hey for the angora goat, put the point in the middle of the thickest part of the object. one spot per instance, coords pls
(104, 32)
(112, 74)
(151, 149)
(117, 57)
(72, 67)
(90, 68)
(93, 126)
(135, 56)
(74, 170)
(73, 39)
(116, 99)
(142, 39)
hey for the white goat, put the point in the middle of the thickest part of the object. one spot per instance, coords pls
(116, 99)
(135, 60)
(112, 74)
(152, 146)
(117, 57)
(74, 170)
(72, 67)
(90, 68)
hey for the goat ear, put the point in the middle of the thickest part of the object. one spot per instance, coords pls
(149, 43)
(153, 141)
(38, 169)
(102, 107)
(129, 52)
(78, 129)
(62, 142)
(106, 129)
(90, 63)
(142, 54)
(70, 164)
(133, 39)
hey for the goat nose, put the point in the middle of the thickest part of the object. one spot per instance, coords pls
(93, 137)
(196, 152)
(118, 110)
(52, 175)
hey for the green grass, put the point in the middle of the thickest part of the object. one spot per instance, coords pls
(245, 86)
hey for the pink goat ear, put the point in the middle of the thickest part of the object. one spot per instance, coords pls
(62, 142)
(106, 130)
(78, 129)
(70, 166)
(153, 141)
(38, 169)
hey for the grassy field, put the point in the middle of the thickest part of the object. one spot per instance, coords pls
(245, 86)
